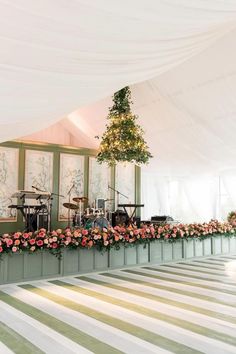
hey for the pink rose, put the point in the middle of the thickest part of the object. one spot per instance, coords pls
(39, 243)
(83, 242)
(14, 249)
(1, 249)
(32, 241)
(84, 232)
(90, 243)
(9, 242)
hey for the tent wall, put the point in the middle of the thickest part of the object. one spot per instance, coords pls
(188, 199)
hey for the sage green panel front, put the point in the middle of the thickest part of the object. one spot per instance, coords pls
(178, 250)
(51, 264)
(101, 260)
(86, 260)
(117, 257)
(15, 267)
(33, 267)
(225, 244)
(143, 253)
(167, 252)
(130, 255)
(188, 248)
(3, 267)
(156, 252)
(70, 260)
(216, 245)
(198, 248)
(232, 244)
(207, 248)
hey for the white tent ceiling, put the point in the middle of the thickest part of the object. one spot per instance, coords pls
(178, 55)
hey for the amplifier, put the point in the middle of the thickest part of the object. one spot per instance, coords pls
(42, 221)
(161, 218)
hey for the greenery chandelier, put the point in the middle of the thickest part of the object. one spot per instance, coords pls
(123, 139)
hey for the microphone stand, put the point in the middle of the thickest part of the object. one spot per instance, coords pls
(50, 200)
(69, 193)
(118, 195)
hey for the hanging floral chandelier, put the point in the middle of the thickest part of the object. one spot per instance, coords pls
(123, 139)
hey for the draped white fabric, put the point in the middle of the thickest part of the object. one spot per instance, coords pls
(64, 59)
(57, 55)
(185, 199)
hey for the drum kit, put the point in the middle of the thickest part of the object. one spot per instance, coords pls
(89, 217)
(98, 215)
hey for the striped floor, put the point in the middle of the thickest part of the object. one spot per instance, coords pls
(183, 307)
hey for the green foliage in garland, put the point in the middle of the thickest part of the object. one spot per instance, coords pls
(123, 138)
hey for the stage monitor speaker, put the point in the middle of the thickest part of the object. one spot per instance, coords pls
(119, 218)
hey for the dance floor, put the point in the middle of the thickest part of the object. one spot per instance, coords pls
(182, 307)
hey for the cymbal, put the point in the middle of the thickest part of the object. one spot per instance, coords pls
(90, 216)
(70, 206)
(80, 199)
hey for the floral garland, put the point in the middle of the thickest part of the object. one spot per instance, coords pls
(107, 238)
(232, 218)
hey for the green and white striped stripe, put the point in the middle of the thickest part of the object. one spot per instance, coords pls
(185, 307)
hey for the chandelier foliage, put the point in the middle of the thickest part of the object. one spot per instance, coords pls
(123, 139)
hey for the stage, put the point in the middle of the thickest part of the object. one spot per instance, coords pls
(42, 264)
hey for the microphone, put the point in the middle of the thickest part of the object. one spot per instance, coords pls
(37, 189)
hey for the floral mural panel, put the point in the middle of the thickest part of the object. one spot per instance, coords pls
(125, 183)
(99, 180)
(9, 162)
(39, 170)
(71, 182)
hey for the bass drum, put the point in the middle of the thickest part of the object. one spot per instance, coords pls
(101, 222)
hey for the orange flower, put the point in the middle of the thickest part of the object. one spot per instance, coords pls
(105, 236)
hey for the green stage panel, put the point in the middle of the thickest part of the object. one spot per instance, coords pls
(24, 266)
